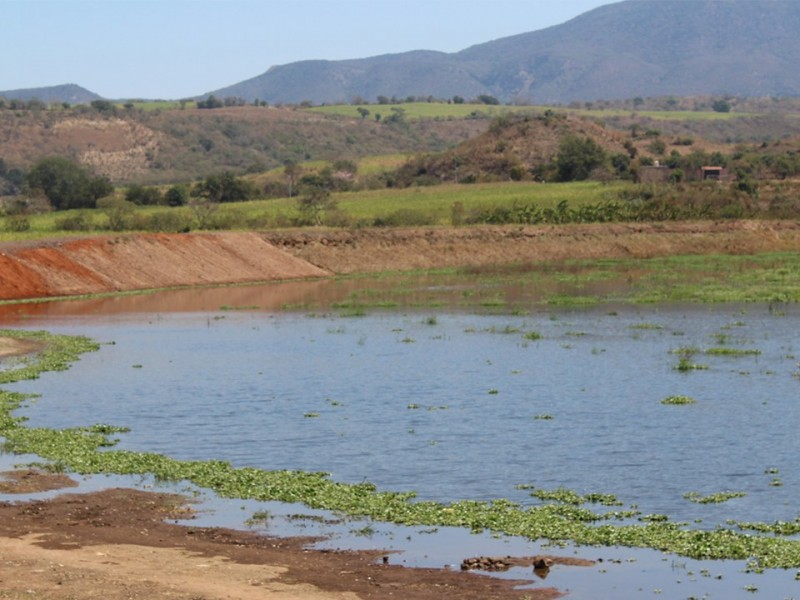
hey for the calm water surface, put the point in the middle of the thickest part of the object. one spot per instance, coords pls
(455, 405)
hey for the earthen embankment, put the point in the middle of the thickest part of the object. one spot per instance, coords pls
(152, 261)
(99, 265)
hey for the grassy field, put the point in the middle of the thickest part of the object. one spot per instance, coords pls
(434, 202)
(439, 110)
(151, 105)
(424, 110)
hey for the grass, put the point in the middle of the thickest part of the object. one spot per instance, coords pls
(694, 279)
(678, 400)
(716, 498)
(424, 110)
(434, 202)
(441, 110)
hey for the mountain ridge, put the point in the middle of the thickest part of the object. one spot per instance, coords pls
(67, 92)
(620, 50)
(627, 49)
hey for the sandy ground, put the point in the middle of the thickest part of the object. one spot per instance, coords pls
(119, 545)
(13, 346)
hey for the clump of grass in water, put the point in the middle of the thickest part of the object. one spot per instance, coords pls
(717, 498)
(647, 326)
(719, 351)
(678, 400)
(685, 363)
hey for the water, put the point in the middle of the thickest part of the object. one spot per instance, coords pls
(463, 406)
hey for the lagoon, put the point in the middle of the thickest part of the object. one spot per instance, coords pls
(456, 404)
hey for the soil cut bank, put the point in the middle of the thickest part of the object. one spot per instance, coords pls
(153, 261)
(366, 251)
(105, 264)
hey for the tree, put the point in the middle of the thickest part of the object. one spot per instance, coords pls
(292, 171)
(67, 185)
(721, 106)
(364, 112)
(398, 115)
(225, 187)
(578, 157)
(177, 195)
(103, 106)
(314, 202)
(210, 102)
(143, 196)
(487, 99)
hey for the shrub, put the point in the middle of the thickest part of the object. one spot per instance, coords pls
(168, 222)
(76, 222)
(17, 223)
(406, 217)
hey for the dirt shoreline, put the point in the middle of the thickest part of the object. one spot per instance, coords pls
(120, 544)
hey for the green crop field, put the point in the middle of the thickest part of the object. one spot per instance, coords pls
(151, 105)
(424, 110)
(441, 110)
(434, 203)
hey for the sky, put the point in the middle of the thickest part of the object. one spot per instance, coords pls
(172, 49)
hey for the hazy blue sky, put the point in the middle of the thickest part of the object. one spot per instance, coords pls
(178, 48)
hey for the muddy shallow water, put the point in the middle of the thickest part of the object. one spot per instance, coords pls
(458, 405)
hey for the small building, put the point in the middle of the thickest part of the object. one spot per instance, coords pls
(712, 173)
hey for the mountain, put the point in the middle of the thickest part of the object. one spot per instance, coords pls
(622, 50)
(69, 92)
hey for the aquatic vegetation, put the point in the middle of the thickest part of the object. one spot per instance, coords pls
(678, 400)
(717, 498)
(732, 352)
(685, 364)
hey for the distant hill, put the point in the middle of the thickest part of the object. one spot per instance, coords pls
(69, 92)
(622, 50)
(182, 145)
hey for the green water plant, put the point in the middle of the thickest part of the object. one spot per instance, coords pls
(678, 400)
(716, 498)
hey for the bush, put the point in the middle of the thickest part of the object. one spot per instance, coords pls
(168, 222)
(406, 217)
(77, 222)
(143, 196)
(577, 158)
(177, 195)
(17, 223)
